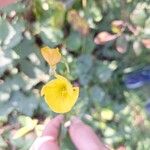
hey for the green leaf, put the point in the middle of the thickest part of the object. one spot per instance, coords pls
(14, 83)
(138, 17)
(12, 38)
(88, 44)
(57, 16)
(97, 94)
(32, 71)
(16, 40)
(43, 107)
(73, 41)
(24, 104)
(85, 79)
(6, 108)
(25, 48)
(51, 36)
(103, 72)
(22, 143)
(20, 25)
(6, 58)
(84, 69)
(11, 83)
(50, 12)
(6, 63)
(18, 28)
(41, 14)
(84, 64)
(96, 13)
(109, 132)
(4, 29)
(28, 68)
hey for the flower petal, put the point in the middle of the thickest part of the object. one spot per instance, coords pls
(58, 102)
(66, 82)
(51, 55)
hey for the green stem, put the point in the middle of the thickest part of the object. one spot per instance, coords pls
(67, 67)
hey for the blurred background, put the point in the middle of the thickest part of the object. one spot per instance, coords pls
(106, 44)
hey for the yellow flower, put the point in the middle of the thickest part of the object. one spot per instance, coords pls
(60, 95)
(51, 55)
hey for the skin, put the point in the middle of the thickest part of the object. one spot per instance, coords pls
(4, 3)
(81, 135)
(84, 137)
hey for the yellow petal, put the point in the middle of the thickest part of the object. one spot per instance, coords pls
(69, 101)
(60, 104)
(60, 95)
(66, 82)
(51, 55)
(72, 99)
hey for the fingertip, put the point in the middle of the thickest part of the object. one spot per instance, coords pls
(60, 118)
(52, 128)
(76, 125)
(56, 122)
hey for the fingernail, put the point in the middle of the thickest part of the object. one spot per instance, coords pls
(67, 124)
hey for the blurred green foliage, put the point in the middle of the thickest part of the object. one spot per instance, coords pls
(96, 64)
